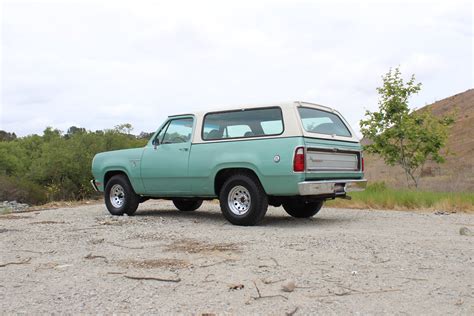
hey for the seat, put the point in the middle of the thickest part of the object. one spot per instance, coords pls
(249, 134)
(326, 128)
(214, 134)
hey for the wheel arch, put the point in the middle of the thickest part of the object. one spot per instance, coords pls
(223, 174)
(110, 173)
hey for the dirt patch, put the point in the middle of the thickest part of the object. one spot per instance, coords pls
(6, 230)
(155, 263)
(111, 222)
(47, 222)
(149, 236)
(11, 216)
(97, 241)
(196, 246)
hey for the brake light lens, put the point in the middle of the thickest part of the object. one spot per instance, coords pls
(362, 164)
(298, 160)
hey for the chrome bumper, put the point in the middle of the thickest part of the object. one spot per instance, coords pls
(94, 185)
(337, 187)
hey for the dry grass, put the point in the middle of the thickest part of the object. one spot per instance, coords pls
(63, 204)
(378, 196)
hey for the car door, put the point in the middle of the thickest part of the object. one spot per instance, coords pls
(164, 167)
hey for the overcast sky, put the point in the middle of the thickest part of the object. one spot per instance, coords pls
(96, 64)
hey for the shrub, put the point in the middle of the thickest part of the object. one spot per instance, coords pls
(21, 190)
(57, 166)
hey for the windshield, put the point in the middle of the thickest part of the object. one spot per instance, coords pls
(322, 122)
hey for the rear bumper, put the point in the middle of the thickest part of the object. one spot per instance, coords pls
(336, 187)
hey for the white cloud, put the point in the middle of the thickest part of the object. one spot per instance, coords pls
(101, 63)
(424, 65)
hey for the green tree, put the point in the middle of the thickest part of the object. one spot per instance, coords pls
(56, 166)
(74, 130)
(6, 137)
(400, 136)
(125, 128)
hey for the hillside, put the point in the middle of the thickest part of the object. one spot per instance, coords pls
(457, 173)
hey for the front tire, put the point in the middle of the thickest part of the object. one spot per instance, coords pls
(120, 198)
(187, 205)
(302, 209)
(243, 201)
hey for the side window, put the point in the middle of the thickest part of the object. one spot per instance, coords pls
(272, 127)
(178, 131)
(208, 128)
(233, 131)
(243, 123)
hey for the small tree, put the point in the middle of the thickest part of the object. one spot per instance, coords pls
(400, 136)
(125, 128)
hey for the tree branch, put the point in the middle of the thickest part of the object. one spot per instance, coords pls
(134, 277)
(24, 261)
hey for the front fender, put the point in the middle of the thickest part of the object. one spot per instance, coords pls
(124, 161)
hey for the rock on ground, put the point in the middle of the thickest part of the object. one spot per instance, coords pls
(12, 207)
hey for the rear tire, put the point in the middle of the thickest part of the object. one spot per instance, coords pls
(302, 209)
(120, 198)
(187, 205)
(242, 199)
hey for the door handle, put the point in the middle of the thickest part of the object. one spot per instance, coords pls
(183, 149)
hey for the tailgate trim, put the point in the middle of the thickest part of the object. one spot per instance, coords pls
(336, 151)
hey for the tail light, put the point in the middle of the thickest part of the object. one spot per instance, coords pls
(362, 164)
(298, 160)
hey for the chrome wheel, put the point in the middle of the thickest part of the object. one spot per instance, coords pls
(117, 196)
(239, 200)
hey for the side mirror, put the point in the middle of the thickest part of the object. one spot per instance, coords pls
(155, 142)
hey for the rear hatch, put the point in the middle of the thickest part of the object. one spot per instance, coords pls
(327, 159)
(332, 149)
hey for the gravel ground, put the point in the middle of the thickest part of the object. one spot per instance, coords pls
(81, 260)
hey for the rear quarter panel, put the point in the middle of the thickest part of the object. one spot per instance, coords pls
(277, 178)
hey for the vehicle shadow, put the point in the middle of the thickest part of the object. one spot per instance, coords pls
(271, 219)
(288, 221)
(199, 215)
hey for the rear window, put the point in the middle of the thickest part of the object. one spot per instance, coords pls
(243, 124)
(322, 122)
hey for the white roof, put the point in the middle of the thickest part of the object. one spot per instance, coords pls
(293, 125)
(253, 106)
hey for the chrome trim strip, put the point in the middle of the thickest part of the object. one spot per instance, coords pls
(329, 148)
(94, 185)
(337, 187)
(352, 172)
